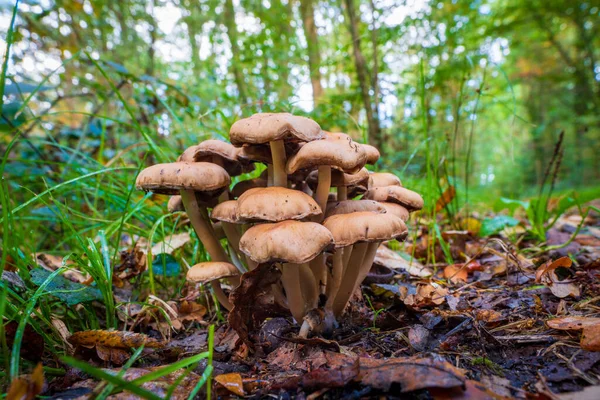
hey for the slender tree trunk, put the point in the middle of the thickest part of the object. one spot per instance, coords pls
(363, 74)
(232, 34)
(194, 24)
(379, 140)
(307, 11)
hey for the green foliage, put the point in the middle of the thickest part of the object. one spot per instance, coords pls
(166, 265)
(491, 226)
(70, 292)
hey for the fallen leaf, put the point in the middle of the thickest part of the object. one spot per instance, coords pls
(473, 391)
(489, 316)
(232, 382)
(418, 337)
(546, 274)
(572, 323)
(106, 341)
(428, 294)
(66, 290)
(27, 387)
(391, 259)
(338, 371)
(590, 338)
(171, 243)
(410, 373)
(589, 393)
(445, 199)
(456, 273)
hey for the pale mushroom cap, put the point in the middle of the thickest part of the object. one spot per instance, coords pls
(288, 241)
(222, 153)
(378, 179)
(175, 204)
(172, 177)
(364, 226)
(337, 136)
(372, 153)
(188, 154)
(226, 212)
(210, 271)
(412, 201)
(339, 154)
(243, 186)
(267, 127)
(395, 209)
(276, 204)
(350, 206)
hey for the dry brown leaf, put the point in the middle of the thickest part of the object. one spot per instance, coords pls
(171, 243)
(411, 373)
(589, 393)
(445, 199)
(115, 339)
(191, 311)
(546, 274)
(590, 338)
(456, 273)
(572, 323)
(114, 355)
(389, 258)
(489, 316)
(27, 387)
(232, 382)
(428, 294)
(473, 391)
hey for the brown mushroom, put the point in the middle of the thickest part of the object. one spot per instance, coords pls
(372, 154)
(275, 129)
(175, 204)
(364, 231)
(211, 272)
(293, 244)
(410, 200)
(350, 206)
(395, 209)
(378, 179)
(223, 154)
(276, 204)
(190, 180)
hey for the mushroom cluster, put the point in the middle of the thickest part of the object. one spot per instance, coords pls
(303, 215)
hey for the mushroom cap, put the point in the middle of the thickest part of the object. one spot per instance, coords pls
(339, 154)
(372, 153)
(212, 270)
(412, 201)
(172, 177)
(340, 179)
(378, 179)
(267, 127)
(188, 154)
(395, 209)
(350, 206)
(243, 186)
(364, 226)
(255, 153)
(288, 241)
(337, 136)
(226, 212)
(175, 204)
(226, 154)
(276, 204)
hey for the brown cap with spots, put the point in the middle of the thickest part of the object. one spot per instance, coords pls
(378, 179)
(173, 177)
(345, 156)
(412, 201)
(268, 127)
(350, 206)
(395, 209)
(226, 212)
(210, 271)
(372, 153)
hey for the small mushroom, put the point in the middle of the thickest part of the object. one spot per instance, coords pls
(223, 154)
(175, 204)
(378, 179)
(275, 129)
(276, 204)
(410, 200)
(372, 154)
(226, 214)
(395, 209)
(211, 272)
(350, 206)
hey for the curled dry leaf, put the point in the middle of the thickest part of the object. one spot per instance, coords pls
(389, 258)
(572, 323)
(489, 316)
(456, 273)
(27, 387)
(428, 294)
(115, 339)
(232, 382)
(590, 338)
(546, 274)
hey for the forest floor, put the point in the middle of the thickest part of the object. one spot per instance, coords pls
(513, 319)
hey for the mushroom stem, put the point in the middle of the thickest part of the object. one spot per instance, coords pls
(350, 276)
(279, 158)
(336, 277)
(220, 294)
(304, 330)
(202, 227)
(310, 290)
(346, 258)
(367, 263)
(319, 270)
(251, 263)
(323, 186)
(290, 278)
(233, 235)
(235, 259)
(342, 193)
(269, 175)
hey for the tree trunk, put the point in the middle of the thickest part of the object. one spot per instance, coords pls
(312, 43)
(194, 24)
(363, 74)
(232, 34)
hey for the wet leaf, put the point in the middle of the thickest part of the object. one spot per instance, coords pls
(572, 323)
(166, 265)
(232, 382)
(27, 387)
(70, 292)
(410, 373)
(116, 339)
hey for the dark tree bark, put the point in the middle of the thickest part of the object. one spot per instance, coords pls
(363, 76)
(312, 43)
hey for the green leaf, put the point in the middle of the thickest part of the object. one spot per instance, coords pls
(166, 265)
(70, 292)
(491, 226)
